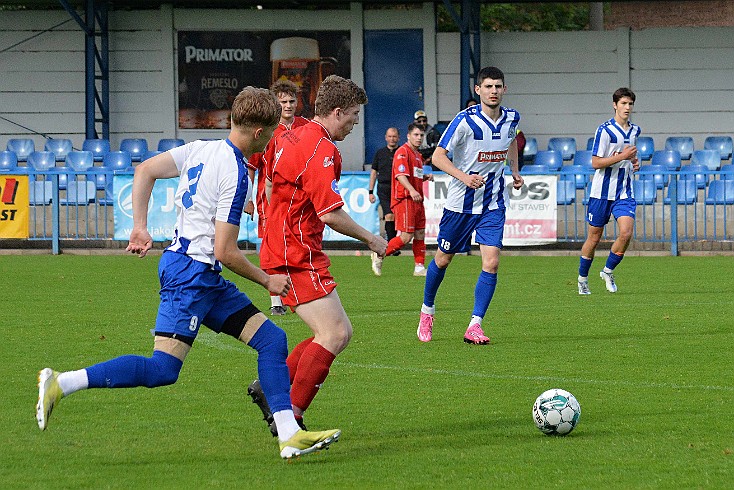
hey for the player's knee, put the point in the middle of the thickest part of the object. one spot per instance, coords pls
(162, 370)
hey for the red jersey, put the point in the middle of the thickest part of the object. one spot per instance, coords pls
(408, 162)
(257, 163)
(304, 166)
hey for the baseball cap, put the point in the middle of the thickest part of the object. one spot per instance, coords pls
(419, 114)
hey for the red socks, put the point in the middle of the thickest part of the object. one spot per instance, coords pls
(419, 251)
(394, 245)
(313, 367)
(295, 357)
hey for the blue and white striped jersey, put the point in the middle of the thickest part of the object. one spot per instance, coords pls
(213, 186)
(479, 146)
(614, 182)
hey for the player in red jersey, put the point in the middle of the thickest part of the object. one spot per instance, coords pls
(285, 91)
(407, 202)
(303, 168)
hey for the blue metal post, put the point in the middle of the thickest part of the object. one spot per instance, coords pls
(55, 249)
(673, 189)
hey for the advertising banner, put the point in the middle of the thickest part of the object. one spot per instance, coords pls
(161, 211)
(213, 67)
(531, 211)
(14, 208)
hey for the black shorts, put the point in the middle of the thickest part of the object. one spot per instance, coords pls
(383, 194)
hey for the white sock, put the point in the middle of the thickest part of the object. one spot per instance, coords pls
(428, 310)
(276, 301)
(72, 381)
(583, 279)
(286, 424)
(476, 320)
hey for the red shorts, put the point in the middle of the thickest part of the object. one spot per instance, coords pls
(409, 216)
(307, 286)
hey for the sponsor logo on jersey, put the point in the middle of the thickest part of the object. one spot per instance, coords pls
(335, 187)
(401, 168)
(328, 161)
(492, 156)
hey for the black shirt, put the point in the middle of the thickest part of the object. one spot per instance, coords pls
(382, 162)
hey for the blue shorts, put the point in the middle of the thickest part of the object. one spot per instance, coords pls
(599, 211)
(192, 294)
(455, 230)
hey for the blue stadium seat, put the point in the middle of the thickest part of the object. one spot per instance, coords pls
(686, 192)
(165, 144)
(590, 144)
(118, 160)
(699, 173)
(682, 144)
(720, 192)
(566, 146)
(723, 144)
(671, 159)
(41, 161)
(645, 191)
(79, 161)
(22, 147)
(79, 192)
(550, 158)
(566, 192)
(645, 147)
(727, 172)
(583, 158)
(98, 147)
(8, 161)
(150, 154)
(711, 159)
(656, 173)
(61, 147)
(535, 169)
(531, 148)
(576, 174)
(40, 192)
(136, 147)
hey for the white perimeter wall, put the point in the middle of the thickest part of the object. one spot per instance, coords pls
(560, 82)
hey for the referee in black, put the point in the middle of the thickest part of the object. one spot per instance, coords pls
(382, 174)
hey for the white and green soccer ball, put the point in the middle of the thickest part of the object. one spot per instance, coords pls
(556, 412)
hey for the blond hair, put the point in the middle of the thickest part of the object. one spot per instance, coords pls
(255, 107)
(336, 91)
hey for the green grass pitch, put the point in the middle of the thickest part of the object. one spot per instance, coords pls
(651, 367)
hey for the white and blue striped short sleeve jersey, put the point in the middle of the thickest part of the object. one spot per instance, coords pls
(614, 182)
(213, 186)
(479, 146)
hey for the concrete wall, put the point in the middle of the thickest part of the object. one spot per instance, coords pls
(560, 82)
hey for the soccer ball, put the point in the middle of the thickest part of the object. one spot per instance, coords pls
(556, 412)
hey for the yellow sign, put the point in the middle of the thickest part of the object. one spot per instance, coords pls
(14, 209)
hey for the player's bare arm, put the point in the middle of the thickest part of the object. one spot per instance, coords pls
(414, 194)
(250, 206)
(629, 153)
(373, 179)
(512, 159)
(339, 220)
(231, 257)
(441, 160)
(160, 166)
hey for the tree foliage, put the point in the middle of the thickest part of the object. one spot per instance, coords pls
(499, 17)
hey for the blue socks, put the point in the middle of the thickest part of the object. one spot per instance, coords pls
(434, 276)
(584, 266)
(483, 292)
(130, 371)
(271, 344)
(613, 260)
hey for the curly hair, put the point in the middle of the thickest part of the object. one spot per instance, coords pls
(336, 91)
(255, 107)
